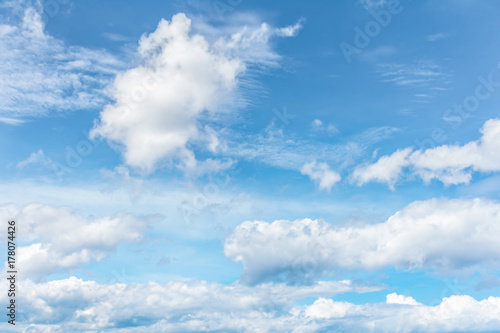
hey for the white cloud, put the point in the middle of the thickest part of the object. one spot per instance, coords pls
(35, 158)
(317, 125)
(292, 30)
(11, 121)
(400, 299)
(182, 78)
(455, 313)
(422, 77)
(82, 305)
(115, 37)
(450, 164)
(326, 308)
(439, 234)
(59, 238)
(436, 36)
(72, 305)
(42, 75)
(321, 174)
(387, 169)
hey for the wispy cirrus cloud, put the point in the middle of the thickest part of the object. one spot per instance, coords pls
(37, 157)
(424, 78)
(41, 75)
(436, 36)
(276, 147)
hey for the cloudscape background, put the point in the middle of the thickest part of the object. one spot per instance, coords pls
(252, 166)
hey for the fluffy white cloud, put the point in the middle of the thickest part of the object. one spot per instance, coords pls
(439, 234)
(40, 74)
(197, 306)
(321, 174)
(450, 164)
(404, 314)
(59, 238)
(82, 305)
(387, 169)
(326, 308)
(182, 78)
(400, 299)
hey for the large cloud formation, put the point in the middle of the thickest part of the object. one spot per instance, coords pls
(73, 305)
(438, 234)
(55, 239)
(182, 76)
(450, 164)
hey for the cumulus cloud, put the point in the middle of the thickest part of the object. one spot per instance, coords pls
(321, 174)
(41, 74)
(59, 238)
(404, 314)
(387, 169)
(400, 299)
(450, 164)
(76, 305)
(438, 234)
(182, 78)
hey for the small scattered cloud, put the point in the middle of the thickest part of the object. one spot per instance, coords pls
(436, 36)
(291, 31)
(400, 299)
(387, 169)
(318, 126)
(115, 37)
(35, 158)
(321, 174)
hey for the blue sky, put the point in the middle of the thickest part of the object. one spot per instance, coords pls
(252, 166)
